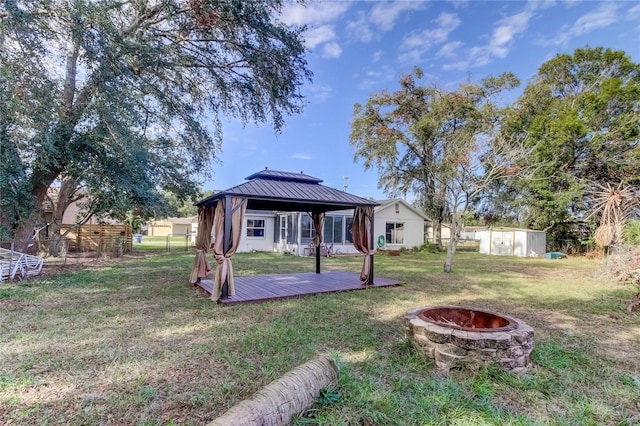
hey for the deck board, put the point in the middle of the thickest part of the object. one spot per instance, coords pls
(260, 288)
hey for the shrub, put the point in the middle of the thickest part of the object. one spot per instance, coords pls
(632, 233)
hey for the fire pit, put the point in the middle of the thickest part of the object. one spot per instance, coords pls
(456, 336)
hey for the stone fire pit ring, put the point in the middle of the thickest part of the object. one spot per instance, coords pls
(463, 337)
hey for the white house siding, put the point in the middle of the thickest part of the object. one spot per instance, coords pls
(411, 220)
(263, 243)
(399, 212)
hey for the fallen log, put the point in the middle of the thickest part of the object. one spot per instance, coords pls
(280, 400)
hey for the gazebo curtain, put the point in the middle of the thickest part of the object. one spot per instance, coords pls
(361, 231)
(318, 226)
(206, 216)
(222, 254)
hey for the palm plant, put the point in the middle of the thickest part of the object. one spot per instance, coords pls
(616, 204)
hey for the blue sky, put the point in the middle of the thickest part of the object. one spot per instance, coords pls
(358, 48)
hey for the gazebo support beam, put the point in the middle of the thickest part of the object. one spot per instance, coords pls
(227, 240)
(371, 244)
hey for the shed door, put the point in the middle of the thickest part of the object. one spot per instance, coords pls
(502, 243)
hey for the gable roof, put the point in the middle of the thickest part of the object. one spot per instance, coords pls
(288, 191)
(386, 203)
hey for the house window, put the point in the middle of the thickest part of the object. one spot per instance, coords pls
(255, 228)
(348, 223)
(395, 233)
(306, 232)
(333, 226)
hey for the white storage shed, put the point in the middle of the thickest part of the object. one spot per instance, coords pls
(513, 242)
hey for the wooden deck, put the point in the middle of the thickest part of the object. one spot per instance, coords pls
(261, 288)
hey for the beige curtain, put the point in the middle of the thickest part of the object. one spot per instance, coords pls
(224, 270)
(201, 266)
(361, 232)
(318, 226)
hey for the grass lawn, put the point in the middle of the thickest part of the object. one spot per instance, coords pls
(166, 243)
(131, 342)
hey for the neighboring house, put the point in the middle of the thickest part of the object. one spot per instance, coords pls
(397, 224)
(468, 233)
(72, 214)
(172, 226)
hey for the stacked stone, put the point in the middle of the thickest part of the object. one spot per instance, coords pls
(454, 348)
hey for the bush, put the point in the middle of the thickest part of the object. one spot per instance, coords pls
(429, 247)
(632, 233)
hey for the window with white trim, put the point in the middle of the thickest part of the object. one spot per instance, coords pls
(306, 229)
(255, 228)
(333, 226)
(394, 233)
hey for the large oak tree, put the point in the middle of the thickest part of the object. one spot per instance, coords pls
(582, 120)
(126, 97)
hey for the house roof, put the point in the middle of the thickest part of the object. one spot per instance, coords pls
(386, 203)
(287, 191)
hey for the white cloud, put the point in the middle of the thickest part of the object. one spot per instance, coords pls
(500, 44)
(418, 43)
(319, 93)
(331, 50)
(313, 13)
(385, 15)
(319, 35)
(375, 78)
(507, 30)
(382, 18)
(605, 15)
(459, 4)
(360, 28)
(302, 156)
(319, 17)
(450, 49)
(377, 55)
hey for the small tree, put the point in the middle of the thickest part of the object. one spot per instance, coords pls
(480, 164)
(442, 145)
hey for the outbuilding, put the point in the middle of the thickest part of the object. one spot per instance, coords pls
(513, 242)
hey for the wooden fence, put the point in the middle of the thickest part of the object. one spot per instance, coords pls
(100, 238)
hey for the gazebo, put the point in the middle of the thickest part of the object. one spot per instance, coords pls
(281, 191)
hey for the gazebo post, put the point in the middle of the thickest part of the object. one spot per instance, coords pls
(371, 244)
(318, 259)
(227, 240)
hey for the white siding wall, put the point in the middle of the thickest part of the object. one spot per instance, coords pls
(513, 242)
(257, 243)
(413, 225)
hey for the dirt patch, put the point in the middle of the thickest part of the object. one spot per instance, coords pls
(84, 260)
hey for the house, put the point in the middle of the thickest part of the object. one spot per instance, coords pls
(397, 224)
(513, 242)
(467, 233)
(171, 226)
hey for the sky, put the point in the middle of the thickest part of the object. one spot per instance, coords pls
(359, 48)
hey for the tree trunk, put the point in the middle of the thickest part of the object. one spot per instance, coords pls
(65, 197)
(437, 233)
(280, 400)
(453, 243)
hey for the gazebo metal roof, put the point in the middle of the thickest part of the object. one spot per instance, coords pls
(287, 191)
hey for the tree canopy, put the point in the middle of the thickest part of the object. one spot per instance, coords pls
(127, 97)
(441, 145)
(581, 117)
